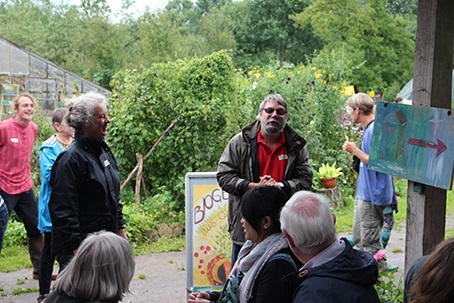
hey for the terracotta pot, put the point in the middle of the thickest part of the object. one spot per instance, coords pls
(328, 182)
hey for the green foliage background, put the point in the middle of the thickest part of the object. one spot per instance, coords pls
(212, 101)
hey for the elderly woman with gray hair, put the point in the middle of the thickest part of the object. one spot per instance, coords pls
(101, 271)
(85, 180)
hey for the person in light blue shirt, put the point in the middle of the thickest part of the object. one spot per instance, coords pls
(374, 189)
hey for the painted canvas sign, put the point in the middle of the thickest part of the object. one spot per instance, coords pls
(208, 245)
(414, 143)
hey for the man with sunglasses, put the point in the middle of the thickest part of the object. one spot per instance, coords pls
(266, 152)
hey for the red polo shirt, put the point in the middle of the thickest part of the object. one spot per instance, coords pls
(272, 162)
(16, 145)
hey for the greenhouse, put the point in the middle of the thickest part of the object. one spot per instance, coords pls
(23, 71)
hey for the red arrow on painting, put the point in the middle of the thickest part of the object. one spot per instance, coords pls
(439, 146)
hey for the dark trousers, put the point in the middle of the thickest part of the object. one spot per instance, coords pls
(235, 250)
(26, 208)
(4, 216)
(46, 264)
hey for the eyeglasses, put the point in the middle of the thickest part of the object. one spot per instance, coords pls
(279, 111)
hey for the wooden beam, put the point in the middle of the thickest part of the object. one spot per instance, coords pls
(432, 83)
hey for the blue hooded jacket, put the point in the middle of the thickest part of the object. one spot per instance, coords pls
(50, 149)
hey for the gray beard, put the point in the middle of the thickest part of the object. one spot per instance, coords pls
(271, 130)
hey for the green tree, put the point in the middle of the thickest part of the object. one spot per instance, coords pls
(377, 43)
(215, 29)
(265, 33)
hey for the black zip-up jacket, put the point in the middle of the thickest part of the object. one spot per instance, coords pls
(85, 195)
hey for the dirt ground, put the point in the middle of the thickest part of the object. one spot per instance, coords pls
(161, 277)
(158, 277)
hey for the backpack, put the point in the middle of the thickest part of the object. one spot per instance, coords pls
(231, 291)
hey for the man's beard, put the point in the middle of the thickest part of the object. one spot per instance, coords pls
(272, 129)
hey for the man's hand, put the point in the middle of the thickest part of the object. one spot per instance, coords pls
(268, 181)
(349, 146)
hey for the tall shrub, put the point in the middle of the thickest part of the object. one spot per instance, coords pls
(202, 93)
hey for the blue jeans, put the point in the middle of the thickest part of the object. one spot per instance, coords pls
(4, 217)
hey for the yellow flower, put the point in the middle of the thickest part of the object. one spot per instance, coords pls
(257, 74)
(313, 68)
(246, 81)
(249, 72)
(371, 93)
(270, 74)
(317, 75)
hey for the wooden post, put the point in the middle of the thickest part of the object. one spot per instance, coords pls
(334, 195)
(432, 82)
(149, 153)
(138, 179)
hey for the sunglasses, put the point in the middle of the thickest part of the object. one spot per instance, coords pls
(279, 111)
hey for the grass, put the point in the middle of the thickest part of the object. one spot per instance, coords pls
(14, 258)
(344, 216)
(162, 245)
(20, 291)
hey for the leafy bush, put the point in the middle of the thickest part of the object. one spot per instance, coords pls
(15, 234)
(389, 288)
(202, 94)
(143, 223)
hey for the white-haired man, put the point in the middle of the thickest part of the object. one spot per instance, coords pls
(333, 271)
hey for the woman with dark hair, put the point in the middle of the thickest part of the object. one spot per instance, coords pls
(265, 258)
(50, 149)
(430, 278)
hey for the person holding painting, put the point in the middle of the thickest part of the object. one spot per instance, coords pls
(374, 189)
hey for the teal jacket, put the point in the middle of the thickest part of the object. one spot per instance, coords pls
(50, 149)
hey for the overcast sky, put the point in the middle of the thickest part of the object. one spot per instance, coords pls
(137, 8)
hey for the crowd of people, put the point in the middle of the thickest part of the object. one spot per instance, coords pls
(80, 189)
(284, 243)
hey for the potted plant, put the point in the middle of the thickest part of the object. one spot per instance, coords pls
(328, 174)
